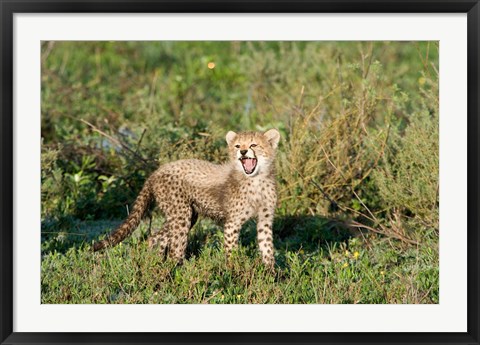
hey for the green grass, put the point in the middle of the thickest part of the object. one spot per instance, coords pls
(352, 270)
(357, 168)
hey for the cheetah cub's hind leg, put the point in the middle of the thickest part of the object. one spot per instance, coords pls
(160, 239)
(179, 220)
(167, 237)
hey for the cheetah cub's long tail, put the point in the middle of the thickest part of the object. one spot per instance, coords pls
(130, 224)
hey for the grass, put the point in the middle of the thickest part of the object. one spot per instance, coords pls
(357, 168)
(350, 270)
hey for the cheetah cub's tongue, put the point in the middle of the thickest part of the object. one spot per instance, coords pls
(249, 164)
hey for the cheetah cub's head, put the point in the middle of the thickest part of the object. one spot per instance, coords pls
(253, 152)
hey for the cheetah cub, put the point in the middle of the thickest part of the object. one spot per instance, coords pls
(230, 193)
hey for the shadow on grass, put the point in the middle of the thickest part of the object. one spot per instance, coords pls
(73, 233)
(291, 234)
(308, 234)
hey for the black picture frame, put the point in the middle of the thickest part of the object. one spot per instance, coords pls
(9, 7)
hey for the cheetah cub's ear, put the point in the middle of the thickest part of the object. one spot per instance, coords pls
(230, 137)
(273, 137)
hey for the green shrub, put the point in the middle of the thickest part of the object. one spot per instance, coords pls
(408, 179)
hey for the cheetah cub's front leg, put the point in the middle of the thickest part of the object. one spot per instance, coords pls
(232, 228)
(264, 233)
(231, 234)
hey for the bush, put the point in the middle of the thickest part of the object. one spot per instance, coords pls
(408, 181)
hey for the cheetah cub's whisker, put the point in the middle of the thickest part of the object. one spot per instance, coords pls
(230, 193)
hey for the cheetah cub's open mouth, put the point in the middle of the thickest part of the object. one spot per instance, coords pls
(249, 164)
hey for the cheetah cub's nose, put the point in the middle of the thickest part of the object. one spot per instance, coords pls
(243, 152)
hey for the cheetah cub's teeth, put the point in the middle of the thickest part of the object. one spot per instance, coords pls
(249, 165)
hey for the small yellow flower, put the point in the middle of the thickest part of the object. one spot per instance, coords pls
(223, 297)
(345, 265)
(239, 296)
(382, 273)
(211, 65)
(422, 80)
(347, 253)
(356, 255)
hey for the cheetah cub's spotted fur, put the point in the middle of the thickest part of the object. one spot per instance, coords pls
(230, 193)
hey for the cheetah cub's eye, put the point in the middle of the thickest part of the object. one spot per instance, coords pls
(237, 146)
(253, 145)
